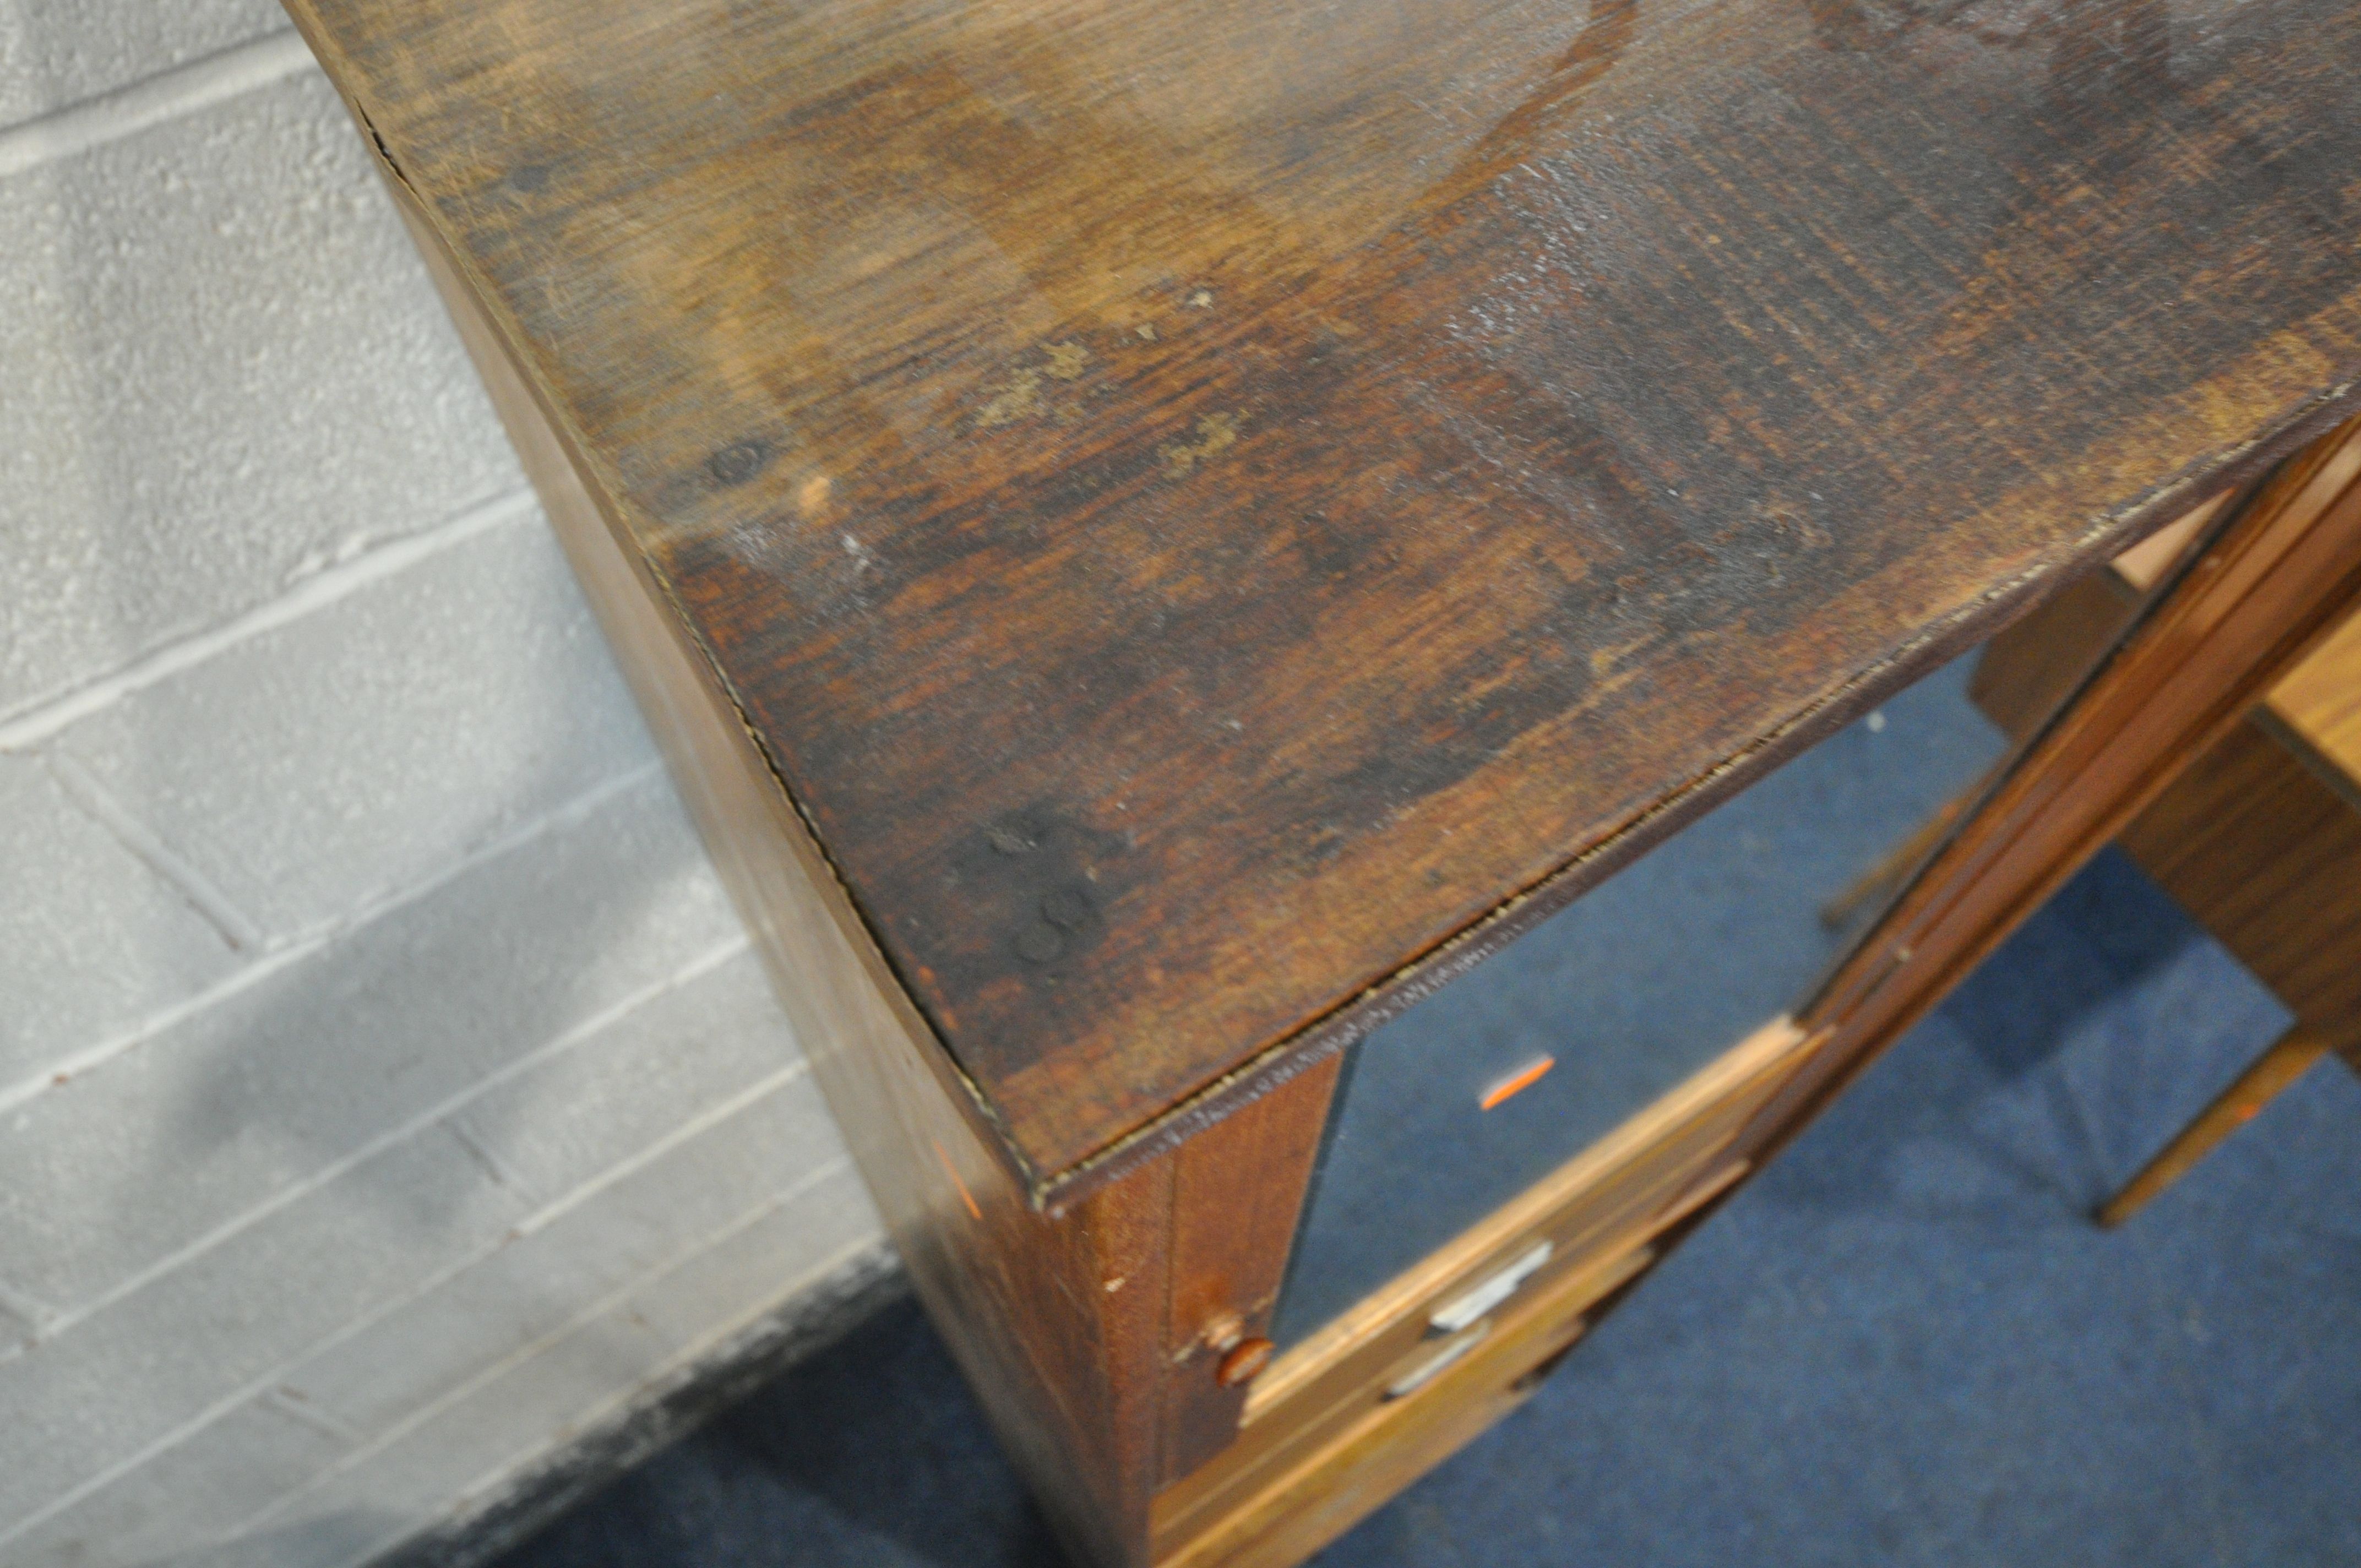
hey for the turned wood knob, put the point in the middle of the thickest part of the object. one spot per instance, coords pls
(1245, 1358)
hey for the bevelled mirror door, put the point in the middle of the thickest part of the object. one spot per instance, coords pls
(1450, 1110)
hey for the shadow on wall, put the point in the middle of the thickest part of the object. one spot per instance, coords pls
(403, 786)
(432, 1001)
(288, 1166)
(190, 458)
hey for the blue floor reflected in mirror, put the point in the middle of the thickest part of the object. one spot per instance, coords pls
(1904, 1344)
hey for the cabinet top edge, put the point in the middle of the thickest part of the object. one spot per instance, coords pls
(1220, 517)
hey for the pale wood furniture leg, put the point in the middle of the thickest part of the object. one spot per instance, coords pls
(2289, 1058)
(2276, 582)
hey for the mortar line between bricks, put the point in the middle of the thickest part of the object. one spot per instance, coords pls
(145, 845)
(482, 1154)
(28, 727)
(303, 1413)
(306, 944)
(696, 968)
(167, 95)
(257, 1386)
(588, 1315)
(37, 1316)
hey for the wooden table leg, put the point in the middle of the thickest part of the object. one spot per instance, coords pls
(2286, 1061)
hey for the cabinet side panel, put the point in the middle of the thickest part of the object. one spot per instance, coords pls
(1055, 1320)
(1238, 1190)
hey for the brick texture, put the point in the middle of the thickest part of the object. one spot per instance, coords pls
(388, 1092)
(107, 1177)
(92, 942)
(54, 55)
(227, 372)
(252, 1457)
(498, 1426)
(542, 1278)
(321, 767)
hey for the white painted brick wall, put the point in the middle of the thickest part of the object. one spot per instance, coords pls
(387, 1091)
(321, 766)
(578, 1251)
(224, 377)
(92, 942)
(54, 55)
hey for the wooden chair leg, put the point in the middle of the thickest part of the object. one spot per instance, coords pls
(2290, 1056)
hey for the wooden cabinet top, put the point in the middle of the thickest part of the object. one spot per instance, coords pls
(1209, 508)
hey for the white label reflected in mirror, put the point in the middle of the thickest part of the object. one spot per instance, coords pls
(1469, 1305)
(1433, 1367)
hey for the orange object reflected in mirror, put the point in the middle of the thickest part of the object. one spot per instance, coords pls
(1524, 1078)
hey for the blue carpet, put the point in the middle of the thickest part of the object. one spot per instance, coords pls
(1904, 1343)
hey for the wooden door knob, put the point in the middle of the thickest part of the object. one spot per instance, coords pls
(1245, 1358)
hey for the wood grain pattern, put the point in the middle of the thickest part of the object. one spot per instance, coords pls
(2266, 854)
(1603, 1205)
(1304, 1504)
(1636, 1170)
(2024, 673)
(2259, 840)
(1204, 505)
(2318, 708)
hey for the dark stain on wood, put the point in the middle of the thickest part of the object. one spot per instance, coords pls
(1028, 890)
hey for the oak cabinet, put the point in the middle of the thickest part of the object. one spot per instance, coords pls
(1326, 645)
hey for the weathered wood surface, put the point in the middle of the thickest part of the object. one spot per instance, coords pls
(1205, 504)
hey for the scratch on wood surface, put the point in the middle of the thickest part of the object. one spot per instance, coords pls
(1603, 660)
